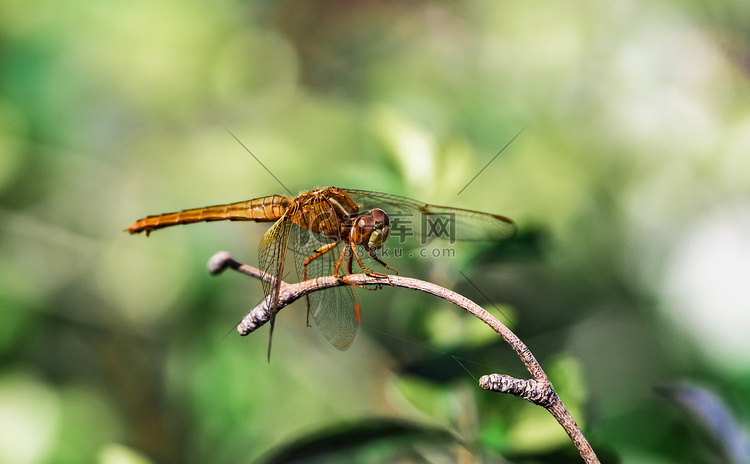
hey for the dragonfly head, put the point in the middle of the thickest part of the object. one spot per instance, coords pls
(372, 229)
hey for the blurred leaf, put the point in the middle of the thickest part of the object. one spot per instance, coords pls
(29, 419)
(430, 399)
(114, 453)
(567, 376)
(708, 409)
(366, 441)
(89, 421)
(451, 327)
(13, 138)
(535, 431)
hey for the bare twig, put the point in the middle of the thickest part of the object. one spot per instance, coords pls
(537, 390)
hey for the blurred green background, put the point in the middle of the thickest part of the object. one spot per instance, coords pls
(630, 184)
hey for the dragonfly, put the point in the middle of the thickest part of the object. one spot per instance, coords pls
(327, 230)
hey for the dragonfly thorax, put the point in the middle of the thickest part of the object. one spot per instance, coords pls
(324, 211)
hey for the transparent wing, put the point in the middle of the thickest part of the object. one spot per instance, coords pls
(271, 258)
(271, 261)
(335, 310)
(413, 218)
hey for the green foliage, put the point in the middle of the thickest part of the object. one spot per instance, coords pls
(629, 184)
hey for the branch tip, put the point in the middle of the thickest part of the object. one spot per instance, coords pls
(534, 391)
(219, 262)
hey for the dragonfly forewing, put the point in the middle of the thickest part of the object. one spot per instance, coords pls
(271, 261)
(424, 221)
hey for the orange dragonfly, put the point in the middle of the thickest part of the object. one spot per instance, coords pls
(329, 228)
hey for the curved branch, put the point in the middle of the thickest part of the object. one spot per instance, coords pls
(537, 390)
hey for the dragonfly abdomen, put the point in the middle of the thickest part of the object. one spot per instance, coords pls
(266, 209)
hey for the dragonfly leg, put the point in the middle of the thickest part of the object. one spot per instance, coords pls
(340, 261)
(349, 264)
(362, 266)
(338, 264)
(318, 253)
(380, 261)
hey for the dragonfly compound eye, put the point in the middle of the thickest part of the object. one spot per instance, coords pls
(382, 227)
(381, 217)
(365, 224)
(362, 229)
